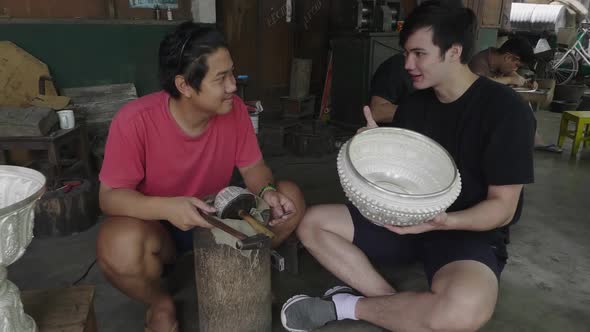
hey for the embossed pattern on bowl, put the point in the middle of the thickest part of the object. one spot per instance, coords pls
(396, 176)
(20, 188)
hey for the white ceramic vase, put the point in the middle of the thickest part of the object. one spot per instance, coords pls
(20, 188)
(398, 177)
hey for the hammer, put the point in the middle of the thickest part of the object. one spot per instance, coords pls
(234, 203)
(244, 242)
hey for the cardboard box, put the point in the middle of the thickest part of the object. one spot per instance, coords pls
(22, 76)
(566, 36)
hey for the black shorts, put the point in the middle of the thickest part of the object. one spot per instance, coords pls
(434, 249)
(183, 240)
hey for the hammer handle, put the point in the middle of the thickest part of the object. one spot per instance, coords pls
(222, 226)
(258, 227)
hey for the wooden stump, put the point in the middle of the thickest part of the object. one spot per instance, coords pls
(62, 310)
(233, 291)
(59, 213)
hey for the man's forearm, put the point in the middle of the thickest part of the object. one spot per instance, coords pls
(384, 113)
(502, 79)
(487, 215)
(382, 110)
(257, 177)
(130, 203)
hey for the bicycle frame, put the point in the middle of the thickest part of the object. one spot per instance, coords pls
(577, 48)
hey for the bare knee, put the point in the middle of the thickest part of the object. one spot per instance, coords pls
(324, 222)
(309, 225)
(122, 244)
(466, 314)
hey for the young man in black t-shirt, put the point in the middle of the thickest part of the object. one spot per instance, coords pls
(390, 86)
(488, 130)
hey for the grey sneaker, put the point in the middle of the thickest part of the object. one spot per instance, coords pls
(303, 313)
(338, 290)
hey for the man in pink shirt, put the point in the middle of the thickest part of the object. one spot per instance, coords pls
(168, 150)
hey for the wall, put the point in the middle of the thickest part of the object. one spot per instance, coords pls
(312, 39)
(84, 54)
(486, 38)
(204, 11)
(54, 8)
(102, 9)
(261, 43)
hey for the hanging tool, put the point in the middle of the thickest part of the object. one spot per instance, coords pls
(67, 186)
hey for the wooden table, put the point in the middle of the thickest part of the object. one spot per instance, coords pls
(52, 144)
(535, 97)
(542, 96)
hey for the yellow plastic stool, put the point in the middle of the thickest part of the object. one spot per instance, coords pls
(581, 134)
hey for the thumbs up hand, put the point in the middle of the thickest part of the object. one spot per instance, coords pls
(370, 121)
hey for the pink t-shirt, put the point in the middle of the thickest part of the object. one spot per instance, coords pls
(146, 150)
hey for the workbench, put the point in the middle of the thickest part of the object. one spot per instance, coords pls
(52, 143)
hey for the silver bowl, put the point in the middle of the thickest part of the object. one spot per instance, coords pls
(20, 188)
(397, 176)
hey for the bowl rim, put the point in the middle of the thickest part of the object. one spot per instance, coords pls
(36, 195)
(406, 132)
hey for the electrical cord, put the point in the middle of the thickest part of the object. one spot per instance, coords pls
(85, 273)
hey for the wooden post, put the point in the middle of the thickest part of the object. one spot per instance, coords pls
(233, 291)
(111, 9)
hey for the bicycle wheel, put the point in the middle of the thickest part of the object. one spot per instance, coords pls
(566, 71)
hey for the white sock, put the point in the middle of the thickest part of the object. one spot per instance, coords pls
(345, 305)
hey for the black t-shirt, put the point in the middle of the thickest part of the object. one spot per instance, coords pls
(391, 81)
(489, 131)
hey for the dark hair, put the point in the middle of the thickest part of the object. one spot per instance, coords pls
(450, 23)
(520, 47)
(184, 51)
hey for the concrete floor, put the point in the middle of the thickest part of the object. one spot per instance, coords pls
(544, 287)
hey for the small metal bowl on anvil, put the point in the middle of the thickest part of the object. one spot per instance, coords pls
(396, 176)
